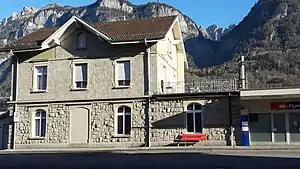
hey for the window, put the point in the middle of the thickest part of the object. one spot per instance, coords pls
(123, 73)
(124, 120)
(194, 118)
(80, 41)
(81, 76)
(40, 123)
(41, 78)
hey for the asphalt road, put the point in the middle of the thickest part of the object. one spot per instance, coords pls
(154, 160)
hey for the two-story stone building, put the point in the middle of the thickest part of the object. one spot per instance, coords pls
(109, 85)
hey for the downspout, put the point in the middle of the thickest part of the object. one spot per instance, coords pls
(149, 95)
(230, 120)
(14, 94)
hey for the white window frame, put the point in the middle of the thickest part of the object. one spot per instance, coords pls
(194, 112)
(116, 73)
(74, 85)
(40, 118)
(35, 77)
(83, 36)
(124, 113)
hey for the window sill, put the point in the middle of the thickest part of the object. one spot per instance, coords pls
(78, 89)
(121, 87)
(121, 136)
(39, 91)
(37, 138)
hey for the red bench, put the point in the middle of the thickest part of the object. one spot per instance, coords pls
(191, 137)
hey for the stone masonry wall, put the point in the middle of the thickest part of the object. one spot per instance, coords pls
(216, 119)
(167, 118)
(57, 125)
(103, 124)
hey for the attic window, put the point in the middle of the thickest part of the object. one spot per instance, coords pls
(81, 41)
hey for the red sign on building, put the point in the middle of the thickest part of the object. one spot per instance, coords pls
(285, 105)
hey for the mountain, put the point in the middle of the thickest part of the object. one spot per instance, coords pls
(268, 37)
(214, 32)
(31, 19)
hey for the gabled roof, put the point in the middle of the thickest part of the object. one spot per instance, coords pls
(117, 31)
(134, 30)
(31, 41)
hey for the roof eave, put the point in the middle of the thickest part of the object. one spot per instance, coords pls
(135, 41)
(20, 50)
(61, 30)
(184, 53)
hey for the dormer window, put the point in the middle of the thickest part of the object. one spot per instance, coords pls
(81, 41)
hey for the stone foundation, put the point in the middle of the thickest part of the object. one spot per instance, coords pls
(57, 128)
(216, 134)
(167, 120)
(103, 123)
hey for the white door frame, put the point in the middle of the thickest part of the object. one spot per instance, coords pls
(287, 127)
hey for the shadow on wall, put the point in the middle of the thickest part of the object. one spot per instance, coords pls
(172, 122)
(159, 159)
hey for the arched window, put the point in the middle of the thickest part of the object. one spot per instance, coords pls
(80, 41)
(124, 120)
(40, 123)
(194, 118)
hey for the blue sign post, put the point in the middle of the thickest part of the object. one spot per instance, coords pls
(245, 129)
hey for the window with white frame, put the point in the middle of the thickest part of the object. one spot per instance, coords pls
(194, 118)
(40, 123)
(124, 120)
(81, 41)
(40, 78)
(123, 73)
(80, 76)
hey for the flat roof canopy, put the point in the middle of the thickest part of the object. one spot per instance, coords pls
(270, 94)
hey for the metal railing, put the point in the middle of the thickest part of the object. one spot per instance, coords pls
(272, 83)
(216, 85)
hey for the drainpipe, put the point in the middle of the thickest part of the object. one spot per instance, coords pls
(149, 95)
(230, 120)
(14, 96)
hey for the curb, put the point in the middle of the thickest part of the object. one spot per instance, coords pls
(142, 149)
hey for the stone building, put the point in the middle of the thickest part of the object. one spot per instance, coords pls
(5, 121)
(114, 84)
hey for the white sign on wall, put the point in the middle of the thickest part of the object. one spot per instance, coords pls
(16, 116)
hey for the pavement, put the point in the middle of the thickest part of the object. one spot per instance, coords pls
(154, 159)
(138, 149)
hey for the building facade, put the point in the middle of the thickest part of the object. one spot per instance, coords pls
(115, 84)
(274, 116)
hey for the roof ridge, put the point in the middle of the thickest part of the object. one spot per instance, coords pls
(135, 19)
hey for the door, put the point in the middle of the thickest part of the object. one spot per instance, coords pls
(5, 136)
(294, 124)
(279, 128)
(79, 125)
(260, 127)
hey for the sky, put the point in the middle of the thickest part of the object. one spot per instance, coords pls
(203, 12)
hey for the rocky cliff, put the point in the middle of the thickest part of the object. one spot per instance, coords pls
(269, 38)
(31, 19)
(214, 32)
